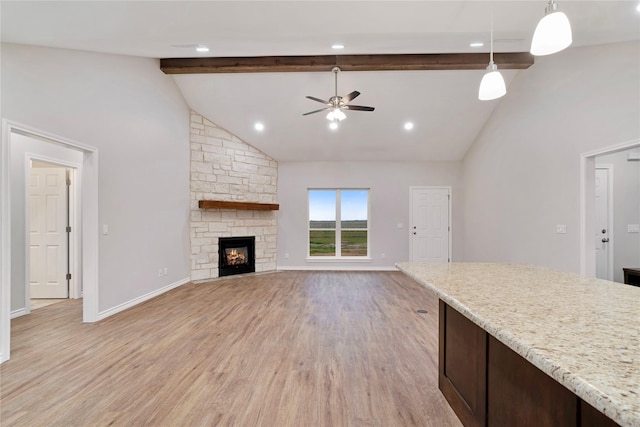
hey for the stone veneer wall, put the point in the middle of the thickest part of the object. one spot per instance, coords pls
(223, 167)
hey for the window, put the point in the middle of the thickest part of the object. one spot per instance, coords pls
(339, 223)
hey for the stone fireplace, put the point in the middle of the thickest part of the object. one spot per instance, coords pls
(236, 255)
(225, 168)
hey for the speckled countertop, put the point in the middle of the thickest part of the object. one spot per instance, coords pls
(583, 332)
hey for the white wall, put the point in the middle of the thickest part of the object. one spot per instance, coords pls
(137, 119)
(626, 210)
(389, 205)
(522, 175)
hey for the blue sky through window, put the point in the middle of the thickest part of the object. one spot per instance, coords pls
(322, 205)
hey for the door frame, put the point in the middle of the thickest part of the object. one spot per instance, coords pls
(74, 222)
(610, 217)
(414, 188)
(88, 209)
(587, 203)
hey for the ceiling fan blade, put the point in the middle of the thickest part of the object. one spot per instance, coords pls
(317, 99)
(315, 111)
(358, 108)
(351, 96)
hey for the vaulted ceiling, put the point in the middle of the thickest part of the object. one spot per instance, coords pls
(442, 105)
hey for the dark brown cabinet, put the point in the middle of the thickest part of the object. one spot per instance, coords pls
(488, 384)
(631, 276)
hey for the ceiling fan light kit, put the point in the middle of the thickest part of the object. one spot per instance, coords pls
(337, 104)
(553, 32)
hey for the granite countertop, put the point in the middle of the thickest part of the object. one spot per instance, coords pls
(583, 332)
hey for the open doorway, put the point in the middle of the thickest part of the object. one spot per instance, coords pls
(20, 146)
(610, 211)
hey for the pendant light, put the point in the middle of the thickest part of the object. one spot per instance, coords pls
(553, 32)
(492, 85)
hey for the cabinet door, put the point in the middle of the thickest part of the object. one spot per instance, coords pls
(519, 394)
(462, 366)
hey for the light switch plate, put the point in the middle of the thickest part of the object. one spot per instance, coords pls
(633, 228)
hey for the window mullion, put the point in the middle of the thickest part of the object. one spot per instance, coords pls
(338, 225)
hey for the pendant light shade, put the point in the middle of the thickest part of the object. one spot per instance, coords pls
(492, 84)
(553, 32)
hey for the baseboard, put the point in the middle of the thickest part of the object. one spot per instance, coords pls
(19, 312)
(317, 267)
(117, 309)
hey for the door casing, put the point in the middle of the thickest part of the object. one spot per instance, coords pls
(587, 204)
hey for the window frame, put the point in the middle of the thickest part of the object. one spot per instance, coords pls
(338, 227)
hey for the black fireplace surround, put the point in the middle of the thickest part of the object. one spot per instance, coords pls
(236, 255)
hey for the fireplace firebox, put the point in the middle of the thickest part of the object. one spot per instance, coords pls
(236, 255)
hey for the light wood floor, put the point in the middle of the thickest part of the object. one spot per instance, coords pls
(280, 349)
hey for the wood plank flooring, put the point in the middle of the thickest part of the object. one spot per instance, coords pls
(277, 349)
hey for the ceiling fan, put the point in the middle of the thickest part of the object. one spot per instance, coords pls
(336, 104)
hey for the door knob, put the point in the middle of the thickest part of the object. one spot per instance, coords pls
(605, 240)
(415, 232)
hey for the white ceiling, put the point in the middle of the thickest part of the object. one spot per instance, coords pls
(442, 104)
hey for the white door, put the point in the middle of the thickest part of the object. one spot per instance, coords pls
(604, 267)
(48, 234)
(430, 224)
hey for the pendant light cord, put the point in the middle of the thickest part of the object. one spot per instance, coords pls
(491, 53)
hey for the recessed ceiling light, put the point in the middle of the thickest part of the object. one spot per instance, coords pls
(201, 48)
(333, 125)
(408, 126)
(337, 46)
(259, 127)
(638, 8)
(476, 44)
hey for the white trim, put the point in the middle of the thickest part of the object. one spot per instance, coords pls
(89, 221)
(334, 268)
(140, 299)
(338, 259)
(610, 213)
(5, 246)
(20, 312)
(450, 233)
(587, 163)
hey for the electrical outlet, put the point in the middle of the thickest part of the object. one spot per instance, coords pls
(166, 270)
(561, 228)
(383, 255)
(286, 255)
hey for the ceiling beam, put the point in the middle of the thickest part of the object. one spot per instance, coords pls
(399, 62)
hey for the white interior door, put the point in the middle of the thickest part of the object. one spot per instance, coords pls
(48, 234)
(604, 267)
(430, 224)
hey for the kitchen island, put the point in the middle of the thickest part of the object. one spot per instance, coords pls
(502, 324)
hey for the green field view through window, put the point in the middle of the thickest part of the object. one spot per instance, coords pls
(338, 223)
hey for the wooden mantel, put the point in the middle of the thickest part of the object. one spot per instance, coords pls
(219, 204)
